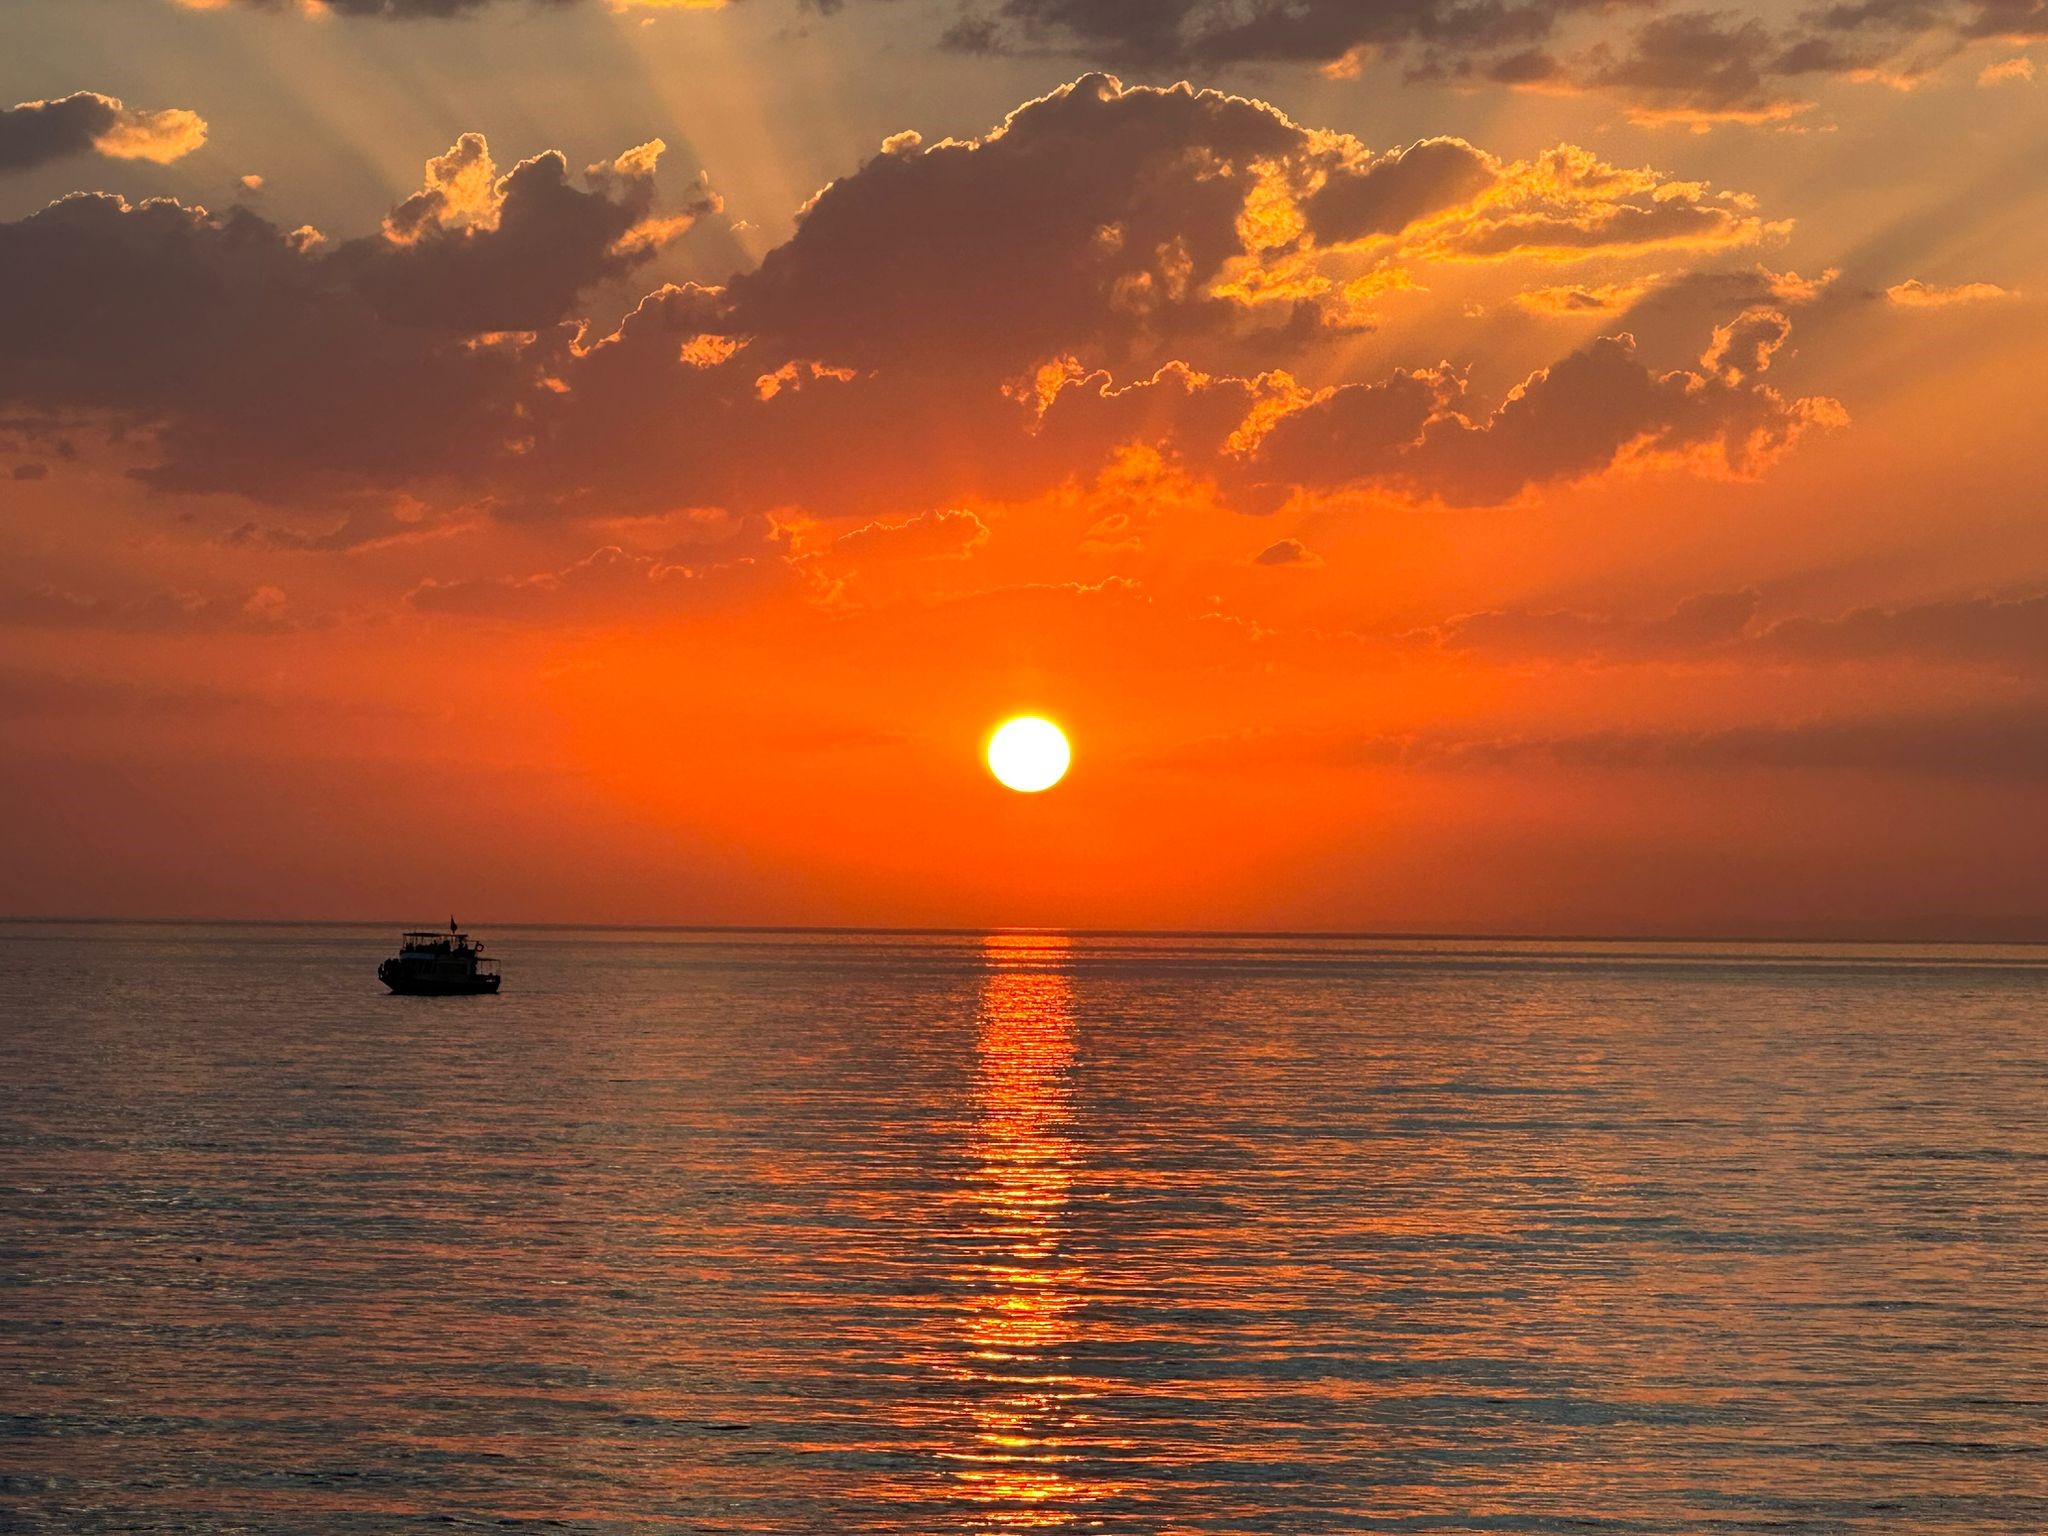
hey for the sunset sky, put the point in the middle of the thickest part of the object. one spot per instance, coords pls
(1449, 465)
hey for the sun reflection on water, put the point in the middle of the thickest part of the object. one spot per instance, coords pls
(1026, 1409)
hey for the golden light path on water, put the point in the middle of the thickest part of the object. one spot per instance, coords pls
(1026, 1283)
(1006, 1418)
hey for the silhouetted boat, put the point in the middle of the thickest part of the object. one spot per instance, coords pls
(430, 963)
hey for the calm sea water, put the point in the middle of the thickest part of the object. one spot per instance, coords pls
(736, 1233)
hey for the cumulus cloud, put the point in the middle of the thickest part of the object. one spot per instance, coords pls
(1094, 219)
(1111, 270)
(267, 361)
(1022, 304)
(1128, 224)
(35, 132)
(475, 252)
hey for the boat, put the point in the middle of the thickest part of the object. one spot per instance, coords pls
(430, 963)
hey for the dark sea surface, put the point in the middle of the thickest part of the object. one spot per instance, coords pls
(816, 1233)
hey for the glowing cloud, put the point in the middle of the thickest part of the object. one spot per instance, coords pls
(34, 132)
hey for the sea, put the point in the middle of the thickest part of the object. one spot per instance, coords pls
(944, 1233)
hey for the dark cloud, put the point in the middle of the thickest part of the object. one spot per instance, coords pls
(472, 252)
(2001, 743)
(1385, 195)
(398, 10)
(1996, 742)
(256, 362)
(1095, 220)
(1663, 59)
(1574, 419)
(1698, 624)
(52, 607)
(263, 361)
(35, 132)
(2008, 634)
(611, 584)
(1187, 33)
(1286, 552)
(977, 299)
(1703, 66)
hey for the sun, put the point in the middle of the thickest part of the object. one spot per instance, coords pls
(1028, 754)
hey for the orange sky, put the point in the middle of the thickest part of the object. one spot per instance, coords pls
(1563, 473)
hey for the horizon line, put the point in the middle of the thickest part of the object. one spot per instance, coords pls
(957, 931)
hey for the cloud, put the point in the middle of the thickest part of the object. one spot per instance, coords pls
(1698, 624)
(1185, 33)
(1567, 204)
(609, 585)
(1993, 742)
(389, 10)
(156, 612)
(1914, 294)
(1372, 195)
(429, 10)
(1112, 269)
(1022, 304)
(1596, 409)
(35, 132)
(1286, 552)
(476, 252)
(2018, 71)
(1700, 67)
(1566, 299)
(1094, 219)
(1663, 60)
(2006, 634)
(1126, 224)
(262, 360)
(1660, 308)
(945, 535)
(1453, 201)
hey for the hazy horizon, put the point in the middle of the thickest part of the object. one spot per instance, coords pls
(2023, 932)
